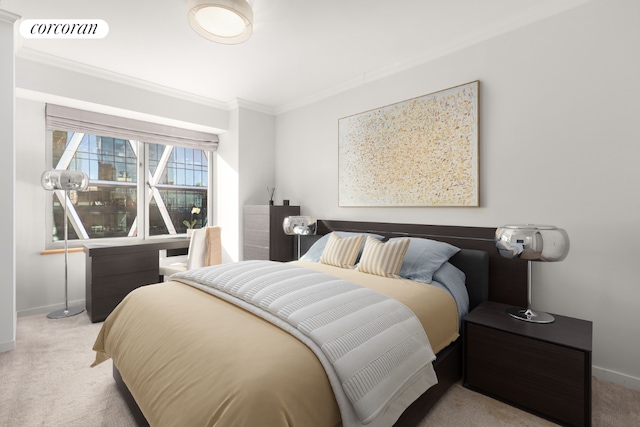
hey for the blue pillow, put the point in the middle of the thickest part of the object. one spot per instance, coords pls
(424, 257)
(315, 251)
(453, 280)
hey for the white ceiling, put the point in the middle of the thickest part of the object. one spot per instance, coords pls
(301, 50)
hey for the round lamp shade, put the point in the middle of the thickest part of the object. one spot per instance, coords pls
(532, 242)
(300, 225)
(64, 180)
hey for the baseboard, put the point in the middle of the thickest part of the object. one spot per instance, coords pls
(624, 380)
(7, 346)
(48, 309)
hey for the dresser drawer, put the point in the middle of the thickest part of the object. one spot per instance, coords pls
(264, 237)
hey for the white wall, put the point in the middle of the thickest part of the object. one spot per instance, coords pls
(244, 169)
(40, 279)
(257, 133)
(558, 145)
(228, 184)
(257, 166)
(7, 176)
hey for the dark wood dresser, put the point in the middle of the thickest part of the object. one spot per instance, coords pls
(114, 270)
(542, 368)
(264, 237)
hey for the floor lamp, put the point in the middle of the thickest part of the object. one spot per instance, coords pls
(299, 226)
(65, 180)
(532, 243)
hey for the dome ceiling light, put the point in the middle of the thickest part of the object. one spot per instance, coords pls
(221, 21)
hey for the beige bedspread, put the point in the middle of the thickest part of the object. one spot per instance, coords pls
(191, 359)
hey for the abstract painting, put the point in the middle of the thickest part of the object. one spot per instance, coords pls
(418, 152)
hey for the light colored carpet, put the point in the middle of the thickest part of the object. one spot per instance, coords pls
(47, 382)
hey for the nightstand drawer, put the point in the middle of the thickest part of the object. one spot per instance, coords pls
(536, 375)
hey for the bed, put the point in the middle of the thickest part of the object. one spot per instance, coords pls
(172, 373)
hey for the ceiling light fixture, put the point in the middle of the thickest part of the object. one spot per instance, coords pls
(222, 21)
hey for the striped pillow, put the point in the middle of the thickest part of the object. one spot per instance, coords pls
(383, 259)
(342, 251)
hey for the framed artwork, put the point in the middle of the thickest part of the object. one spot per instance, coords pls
(418, 152)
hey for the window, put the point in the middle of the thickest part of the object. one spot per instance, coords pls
(136, 189)
(180, 185)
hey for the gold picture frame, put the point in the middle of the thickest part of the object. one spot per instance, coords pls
(418, 152)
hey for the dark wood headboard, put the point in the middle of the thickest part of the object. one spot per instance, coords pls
(507, 278)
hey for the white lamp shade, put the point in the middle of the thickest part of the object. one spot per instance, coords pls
(64, 180)
(222, 21)
(300, 225)
(532, 242)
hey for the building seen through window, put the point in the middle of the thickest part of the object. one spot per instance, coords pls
(129, 179)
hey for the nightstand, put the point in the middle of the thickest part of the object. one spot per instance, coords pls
(544, 369)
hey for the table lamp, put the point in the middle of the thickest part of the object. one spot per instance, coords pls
(532, 242)
(299, 226)
(65, 180)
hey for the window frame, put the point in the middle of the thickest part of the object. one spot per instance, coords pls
(143, 202)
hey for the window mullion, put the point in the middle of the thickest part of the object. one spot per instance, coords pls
(153, 180)
(134, 227)
(70, 151)
(162, 164)
(212, 194)
(72, 214)
(163, 211)
(141, 151)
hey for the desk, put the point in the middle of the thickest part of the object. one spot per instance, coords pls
(114, 270)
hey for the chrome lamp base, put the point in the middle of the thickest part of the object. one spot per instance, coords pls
(529, 315)
(65, 312)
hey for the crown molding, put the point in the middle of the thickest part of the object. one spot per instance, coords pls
(9, 17)
(241, 103)
(65, 64)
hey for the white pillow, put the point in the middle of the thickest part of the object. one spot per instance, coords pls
(383, 259)
(342, 251)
